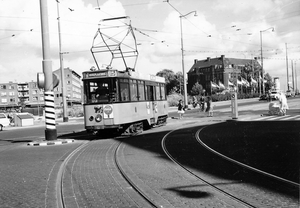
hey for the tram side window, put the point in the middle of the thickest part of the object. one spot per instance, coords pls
(158, 96)
(124, 89)
(162, 90)
(141, 91)
(133, 90)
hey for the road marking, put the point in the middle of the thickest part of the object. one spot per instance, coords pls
(264, 118)
(292, 117)
(277, 117)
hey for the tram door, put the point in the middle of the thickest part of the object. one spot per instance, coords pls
(153, 104)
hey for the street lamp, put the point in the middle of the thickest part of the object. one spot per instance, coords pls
(182, 55)
(262, 61)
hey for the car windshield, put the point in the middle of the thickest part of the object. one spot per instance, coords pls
(274, 92)
(2, 115)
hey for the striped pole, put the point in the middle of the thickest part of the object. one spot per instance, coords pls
(50, 116)
(50, 132)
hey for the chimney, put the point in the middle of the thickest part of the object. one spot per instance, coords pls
(195, 61)
(222, 57)
(208, 59)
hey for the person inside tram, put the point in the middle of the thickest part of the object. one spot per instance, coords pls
(102, 92)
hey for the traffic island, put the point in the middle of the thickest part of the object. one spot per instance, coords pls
(52, 142)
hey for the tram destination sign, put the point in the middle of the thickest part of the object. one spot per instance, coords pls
(111, 73)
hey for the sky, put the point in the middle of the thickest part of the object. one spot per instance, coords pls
(221, 27)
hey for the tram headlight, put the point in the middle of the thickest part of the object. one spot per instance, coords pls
(91, 118)
(98, 118)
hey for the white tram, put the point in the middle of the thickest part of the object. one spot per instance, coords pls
(123, 101)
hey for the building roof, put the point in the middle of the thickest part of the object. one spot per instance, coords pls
(228, 62)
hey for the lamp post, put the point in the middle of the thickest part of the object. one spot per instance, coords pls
(182, 55)
(262, 60)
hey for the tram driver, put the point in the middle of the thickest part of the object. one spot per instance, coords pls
(102, 92)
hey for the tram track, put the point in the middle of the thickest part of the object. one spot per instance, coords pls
(232, 197)
(60, 176)
(230, 192)
(244, 165)
(118, 170)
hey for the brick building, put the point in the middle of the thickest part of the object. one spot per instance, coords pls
(220, 69)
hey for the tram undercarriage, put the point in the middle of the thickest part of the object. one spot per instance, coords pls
(129, 129)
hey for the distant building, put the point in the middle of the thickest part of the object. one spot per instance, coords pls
(74, 92)
(27, 94)
(220, 69)
(15, 95)
(8, 95)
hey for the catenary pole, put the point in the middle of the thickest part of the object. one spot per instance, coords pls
(62, 72)
(50, 132)
(287, 67)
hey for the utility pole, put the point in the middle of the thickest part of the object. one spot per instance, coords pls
(50, 132)
(293, 75)
(287, 68)
(296, 91)
(62, 72)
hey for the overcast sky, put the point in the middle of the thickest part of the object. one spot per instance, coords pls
(221, 27)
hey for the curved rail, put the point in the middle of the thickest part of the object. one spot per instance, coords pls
(238, 200)
(242, 164)
(131, 182)
(60, 175)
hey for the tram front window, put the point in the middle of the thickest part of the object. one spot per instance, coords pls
(98, 91)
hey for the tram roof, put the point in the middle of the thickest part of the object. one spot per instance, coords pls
(121, 74)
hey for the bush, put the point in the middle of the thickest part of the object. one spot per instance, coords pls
(174, 98)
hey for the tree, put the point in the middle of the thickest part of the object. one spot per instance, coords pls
(197, 89)
(269, 84)
(172, 80)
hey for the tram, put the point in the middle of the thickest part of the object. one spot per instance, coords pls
(120, 99)
(123, 101)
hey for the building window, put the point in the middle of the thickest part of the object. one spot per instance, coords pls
(3, 87)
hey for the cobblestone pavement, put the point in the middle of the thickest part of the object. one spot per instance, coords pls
(28, 174)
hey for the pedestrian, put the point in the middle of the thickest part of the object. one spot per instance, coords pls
(269, 96)
(209, 107)
(180, 109)
(202, 103)
(283, 103)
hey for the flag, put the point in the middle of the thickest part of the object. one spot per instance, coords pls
(221, 85)
(245, 82)
(230, 84)
(253, 81)
(214, 85)
(238, 82)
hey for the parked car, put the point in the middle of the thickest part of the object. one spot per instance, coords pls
(263, 97)
(290, 93)
(4, 121)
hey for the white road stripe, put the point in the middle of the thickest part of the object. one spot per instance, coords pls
(291, 117)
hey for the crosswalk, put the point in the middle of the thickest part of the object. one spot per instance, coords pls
(272, 118)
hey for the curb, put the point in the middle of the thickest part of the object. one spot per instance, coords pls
(46, 143)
